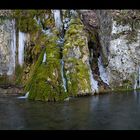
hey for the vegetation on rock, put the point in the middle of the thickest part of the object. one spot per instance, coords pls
(45, 83)
(76, 58)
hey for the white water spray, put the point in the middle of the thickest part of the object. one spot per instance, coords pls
(102, 70)
(93, 82)
(59, 26)
(24, 97)
(137, 79)
(62, 75)
(44, 58)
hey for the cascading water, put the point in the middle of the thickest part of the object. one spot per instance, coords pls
(135, 83)
(62, 75)
(139, 76)
(22, 39)
(137, 79)
(102, 70)
(13, 50)
(60, 42)
(93, 82)
(44, 58)
(25, 96)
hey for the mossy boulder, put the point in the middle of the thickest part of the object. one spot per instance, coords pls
(45, 83)
(76, 59)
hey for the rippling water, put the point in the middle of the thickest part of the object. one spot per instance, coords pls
(109, 111)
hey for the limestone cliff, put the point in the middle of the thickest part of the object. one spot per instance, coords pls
(119, 37)
(55, 54)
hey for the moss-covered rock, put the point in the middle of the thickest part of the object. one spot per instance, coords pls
(45, 83)
(76, 59)
(32, 20)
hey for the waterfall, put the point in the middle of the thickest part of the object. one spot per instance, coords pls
(102, 70)
(60, 42)
(59, 25)
(22, 39)
(93, 82)
(62, 75)
(44, 58)
(135, 82)
(137, 79)
(11, 65)
(24, 97)
(57, 18)
(139, 76)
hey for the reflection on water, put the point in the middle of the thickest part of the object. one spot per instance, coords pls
(109, 111)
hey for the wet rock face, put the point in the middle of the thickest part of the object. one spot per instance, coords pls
(7, 46)
(105, 27)
(46, 83)
(90, 18)
(121, 53)
(63, 46)
(10, 91)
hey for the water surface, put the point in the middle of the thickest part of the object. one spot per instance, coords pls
(117, 111)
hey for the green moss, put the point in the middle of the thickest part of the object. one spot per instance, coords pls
(19, 74)
(3, 80)
(27, 20)
(7, 80)
(77, 71)
(45, 82)
(33, 71)
(122, 89)
(78, 78)
(127, 84)
(93, 37)
(75, 21)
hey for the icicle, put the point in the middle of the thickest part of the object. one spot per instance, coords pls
(62, 74)
(137, 79)
(44, 58)
(57, 18)
(24, 97)
(103, 73)
(93, 82)
(135, 82)
(22, 39)
(13, 50)
(59, 25)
